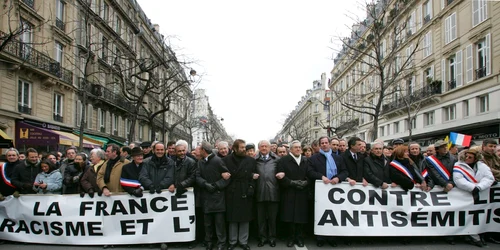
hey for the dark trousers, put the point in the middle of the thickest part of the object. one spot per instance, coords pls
(215, 221)
(296, 231)
(267, 213)
(200, 224)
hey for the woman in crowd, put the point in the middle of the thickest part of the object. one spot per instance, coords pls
(74, 172)
(49, 180)
(376, 168)
(472, 175)
(403, 170)
(89, 178)
(307, 151)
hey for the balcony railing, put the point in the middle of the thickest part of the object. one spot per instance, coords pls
(97, 90)
(416, 96)
(427, 18)
(36, 58)
(23, 109)
(103, 129)
(480, 73)
(60, 24)
(30, 3)
(58, 118)
(452, 84)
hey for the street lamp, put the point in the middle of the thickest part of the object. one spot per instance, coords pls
(328, 127)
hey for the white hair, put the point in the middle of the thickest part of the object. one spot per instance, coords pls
(262, 142)
(295, 142)
(181, 143)
(223, 144)
(98, 152)
(381, 143)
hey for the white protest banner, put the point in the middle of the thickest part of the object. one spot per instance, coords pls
(118, 219)
(344, 210)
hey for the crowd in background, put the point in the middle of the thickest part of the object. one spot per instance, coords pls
(239, 186)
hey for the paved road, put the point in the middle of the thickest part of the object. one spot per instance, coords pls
(417, 243)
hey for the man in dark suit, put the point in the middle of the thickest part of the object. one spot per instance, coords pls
(294, 209)
(329, 167)
(354, 162)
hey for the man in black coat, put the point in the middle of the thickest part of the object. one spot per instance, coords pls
(6, 186)
(157, 173)
(239, 194)
(185, 170)
(130, 173)
(25, 172)
(329, 167)
(267, 194)
(209, 177)
(294, 210)
(354, 161)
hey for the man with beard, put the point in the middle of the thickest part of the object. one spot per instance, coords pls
(212, 177)
(108, 177)
(130, 173)
(491, 158)
(294, 209)
(6, 170)
(222, 149)
(328, 167)
(184, 171)
(239, 194)
(267, 194)
(68, 162)
(25, 172)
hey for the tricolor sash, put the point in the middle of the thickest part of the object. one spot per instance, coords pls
(438, 165)
(5, 178)
(425, 173)
(467, 176)
(129, 183)
(397, 165)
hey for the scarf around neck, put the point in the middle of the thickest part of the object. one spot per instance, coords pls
(331, 167)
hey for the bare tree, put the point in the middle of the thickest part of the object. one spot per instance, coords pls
(299, 131)
(380, 53)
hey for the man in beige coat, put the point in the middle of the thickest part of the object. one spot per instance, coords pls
(108, 177)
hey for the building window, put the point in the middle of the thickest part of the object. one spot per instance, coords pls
(452, 68)
(58, 107)
(26, 38)
(104, 12)
(449, 113)
(381, 130)
(60, 14)
(465, 107)
(141, 132)
(427, 11)
(316, 122)
(24, 97)
(388, 129)
(484, 104)
(118, 27)
(58, 52)
(483, 57)
(102, 120)
(428, 75)
(427, 44)
(115, 124)
(429, 118)
(316, 108)
(450, 28)
(396, 127)
(315, 134)
(479, 13)
(105, 49)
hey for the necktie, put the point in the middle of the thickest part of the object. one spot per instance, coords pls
(355, 157)
(265, 157)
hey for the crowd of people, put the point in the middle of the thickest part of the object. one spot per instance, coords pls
(235, 185)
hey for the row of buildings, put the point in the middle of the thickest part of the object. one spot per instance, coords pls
(99, 68)
(414, 70)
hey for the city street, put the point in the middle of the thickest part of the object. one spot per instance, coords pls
(388, 243)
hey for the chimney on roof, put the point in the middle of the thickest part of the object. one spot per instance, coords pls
(157, 27)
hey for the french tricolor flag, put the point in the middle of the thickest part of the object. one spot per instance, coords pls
(460, 139)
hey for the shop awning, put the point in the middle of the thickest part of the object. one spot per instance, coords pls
(5, 140)
(74, 140)
(102, 140)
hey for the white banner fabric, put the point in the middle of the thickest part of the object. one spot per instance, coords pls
(116, 220)
(344, 210)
